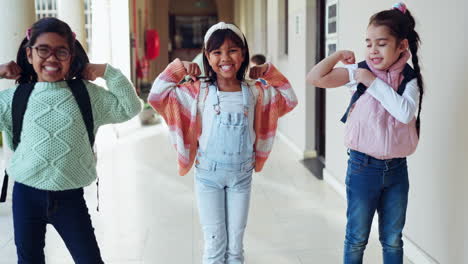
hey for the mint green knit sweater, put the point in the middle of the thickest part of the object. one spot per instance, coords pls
(54, 152)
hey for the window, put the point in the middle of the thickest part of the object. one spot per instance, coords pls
(331, 30)
(286, 27)
(188, 31)
(46, 8)
(88, 22)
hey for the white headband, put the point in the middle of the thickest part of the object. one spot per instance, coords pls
(222, 25)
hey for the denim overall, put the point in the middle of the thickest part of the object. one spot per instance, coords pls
(223, 176)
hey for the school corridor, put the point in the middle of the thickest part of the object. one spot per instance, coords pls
(147, 213)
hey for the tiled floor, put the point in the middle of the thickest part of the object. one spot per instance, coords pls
(148, 214)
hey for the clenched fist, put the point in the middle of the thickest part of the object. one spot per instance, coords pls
(364, 76)
(93, 71)
(10, 70)
(192, 68)
(346, 56)
(258, 71)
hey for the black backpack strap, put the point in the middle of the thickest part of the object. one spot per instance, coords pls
(408, 75)
(361, 89)
(3, 194)
(80, 92)
(18, 108)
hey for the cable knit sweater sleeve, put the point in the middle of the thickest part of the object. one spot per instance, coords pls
(6, 96)
(118, 104)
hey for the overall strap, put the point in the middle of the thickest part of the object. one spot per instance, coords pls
(245, 97)
(216, 105)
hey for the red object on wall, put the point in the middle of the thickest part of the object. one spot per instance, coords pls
(152, 44)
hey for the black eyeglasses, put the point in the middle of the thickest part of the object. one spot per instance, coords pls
(44, 52)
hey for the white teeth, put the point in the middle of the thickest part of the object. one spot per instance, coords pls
(48, 68)
(226, 67)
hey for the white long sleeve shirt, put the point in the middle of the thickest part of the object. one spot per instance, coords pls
(402, 107)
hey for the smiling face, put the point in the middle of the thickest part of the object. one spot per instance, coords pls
(383, 49)
(50, 56)
(226, 60)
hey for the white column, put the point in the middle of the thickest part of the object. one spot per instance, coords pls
(72, 12)
(17, 16)
(101, 46)
(119, 27)
(111, 29)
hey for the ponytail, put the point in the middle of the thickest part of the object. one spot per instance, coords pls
(27, 75)
(401, 25)
(414, 41)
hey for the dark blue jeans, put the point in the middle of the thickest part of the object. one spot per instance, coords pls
(33, 209)
(375, 185)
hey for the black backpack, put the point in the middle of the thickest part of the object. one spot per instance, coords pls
(20, 101)
(408, 75)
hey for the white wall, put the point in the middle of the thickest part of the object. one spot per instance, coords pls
(437, 212)
(258, 40)
(294, 65)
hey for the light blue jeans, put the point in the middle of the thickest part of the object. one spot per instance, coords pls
(223, 193)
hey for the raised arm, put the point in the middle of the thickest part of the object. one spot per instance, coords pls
(166, 89)
(117, 104)
(277, 91)
(325, 75)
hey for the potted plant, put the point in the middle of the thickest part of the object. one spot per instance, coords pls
(148, 116)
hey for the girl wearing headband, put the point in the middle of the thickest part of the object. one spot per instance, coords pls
(225, 125)
(381, 128)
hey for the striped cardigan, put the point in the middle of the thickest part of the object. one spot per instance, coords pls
(181, 104)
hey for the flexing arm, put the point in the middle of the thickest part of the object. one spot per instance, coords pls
(9, 70)
(324, 74)
(117, 104)
(166, 90)
(278, 91)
